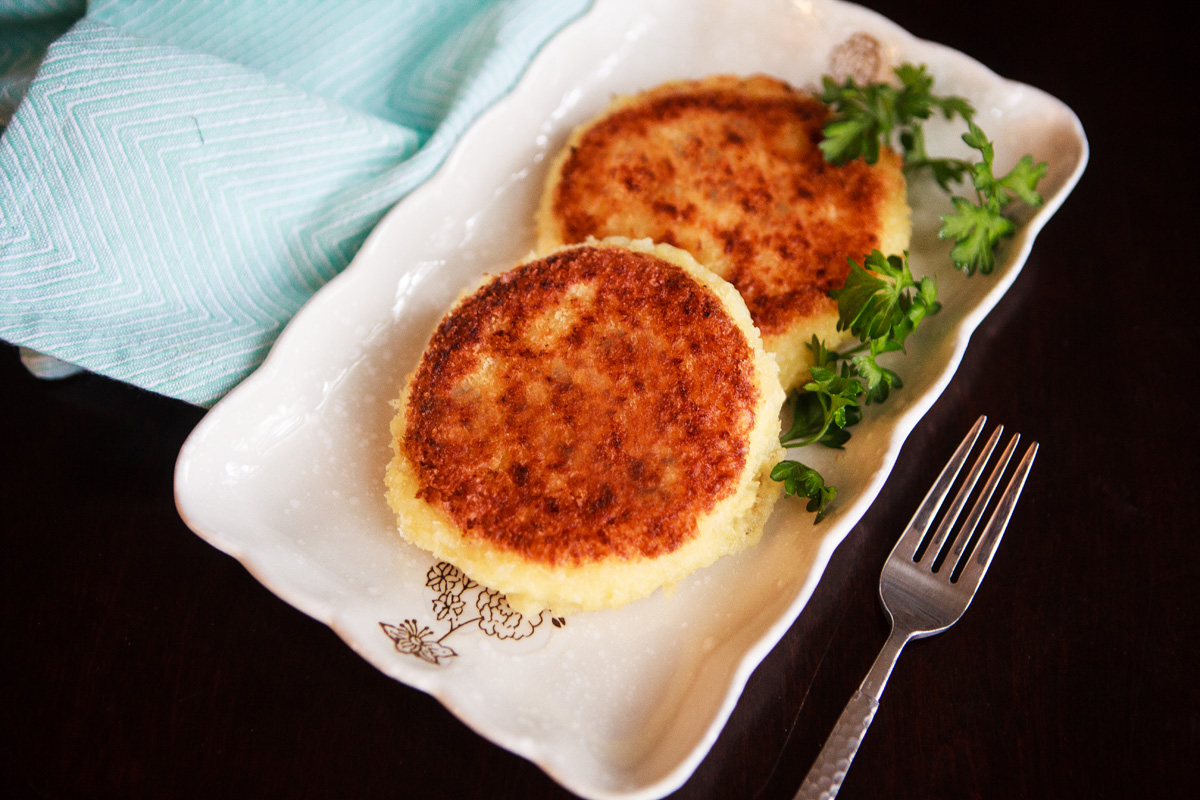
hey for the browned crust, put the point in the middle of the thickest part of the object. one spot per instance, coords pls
(728, 169)
(610, 440)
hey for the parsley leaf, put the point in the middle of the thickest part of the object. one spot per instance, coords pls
(829, 406)
(976, 230)
(865, 117)
(804, 481)
(883, 306)
(978, 226)
(879, 380)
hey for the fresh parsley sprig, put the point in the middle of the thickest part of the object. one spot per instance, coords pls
(881, 304)
(977, 227)
(867, 118)
(801, 480)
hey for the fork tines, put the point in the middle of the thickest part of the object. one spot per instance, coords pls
(968, 555)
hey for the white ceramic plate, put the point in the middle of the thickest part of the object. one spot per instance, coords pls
(285, 474)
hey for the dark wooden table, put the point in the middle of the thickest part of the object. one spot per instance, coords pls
(138, 661)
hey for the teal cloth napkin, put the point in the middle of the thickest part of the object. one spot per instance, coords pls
(180, 177)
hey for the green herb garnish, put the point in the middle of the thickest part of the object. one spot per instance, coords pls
(977, 227)
(881, 302)
(865, 117)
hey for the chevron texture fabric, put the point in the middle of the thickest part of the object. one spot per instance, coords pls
(178, 178)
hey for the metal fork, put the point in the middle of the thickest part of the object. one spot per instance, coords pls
(925, 588)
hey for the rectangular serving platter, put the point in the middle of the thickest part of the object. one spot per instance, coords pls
(285, 473)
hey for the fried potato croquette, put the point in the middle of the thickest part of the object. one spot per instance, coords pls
(729, 169)
(587, 427)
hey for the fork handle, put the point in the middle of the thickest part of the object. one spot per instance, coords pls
(827, 773)
(829, 770)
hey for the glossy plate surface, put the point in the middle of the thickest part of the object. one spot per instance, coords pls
(285, 474)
